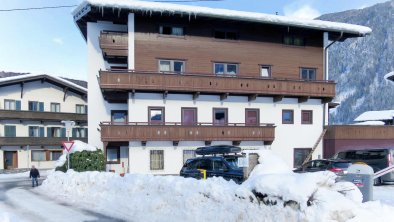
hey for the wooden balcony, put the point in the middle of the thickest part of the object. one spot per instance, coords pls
(359, 132)
(116, 83)
(177, 132)
(114, 44)
(36, 141)
(41, 116)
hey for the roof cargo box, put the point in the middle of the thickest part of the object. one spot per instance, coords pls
(218, 149)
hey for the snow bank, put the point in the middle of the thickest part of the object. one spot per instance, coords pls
(272, 193)
(78, 146)
(375, 115)
(193, 11)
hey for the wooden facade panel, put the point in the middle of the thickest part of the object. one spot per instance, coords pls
(257, 44)
(185, 133)
(143, 81)
(360, 132)
(42, 116)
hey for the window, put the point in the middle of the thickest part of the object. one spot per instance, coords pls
(293, 40)
(56, 132)
(55, 107)
(171, 30)
(265, 71)
(225, 68)
(55, 155)
(299, 156)
(189, 116)
(252, 117)
(113, 155)
(176, 66)
(306, 117)
(156, 115)
(10, 131)
(220, 116)
(219, 165)
(230, 35)
(287, 116)
(157, 159)
(35, 131)
(188, 154)
(119, 116)
(81, 109)
(205, 164)
(308, 73)
(10, 104)
(36, 106)
(38, 155)
(79, 132)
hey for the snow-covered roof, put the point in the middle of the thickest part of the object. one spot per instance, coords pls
(389, 76)
(194, 11)
(370, 123)
(32, 77)
(375, 116)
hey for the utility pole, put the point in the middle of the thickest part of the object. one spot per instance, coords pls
(69, 126)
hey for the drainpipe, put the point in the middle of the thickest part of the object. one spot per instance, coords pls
(325, 77)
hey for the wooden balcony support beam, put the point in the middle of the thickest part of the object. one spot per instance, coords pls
(196, 95)
(252, 97)
(224, 96)
(277, 98)
(303, 99)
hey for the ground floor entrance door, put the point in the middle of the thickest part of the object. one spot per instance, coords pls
(10, 160)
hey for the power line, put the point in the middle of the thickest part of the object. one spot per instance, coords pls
(37, 8)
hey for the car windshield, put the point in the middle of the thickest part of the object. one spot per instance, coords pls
(342, 165)
(233, 162)
(362, 155)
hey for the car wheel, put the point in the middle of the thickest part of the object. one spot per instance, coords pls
(377, 181)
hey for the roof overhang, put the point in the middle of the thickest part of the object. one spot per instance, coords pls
(62, 83)
(121, 6)
(389, 76)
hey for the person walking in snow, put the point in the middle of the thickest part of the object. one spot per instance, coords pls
(34, 174)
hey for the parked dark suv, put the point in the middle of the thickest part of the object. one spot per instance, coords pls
(217, 161)
(378, 159)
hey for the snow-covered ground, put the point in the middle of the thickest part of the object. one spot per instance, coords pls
(272, 193)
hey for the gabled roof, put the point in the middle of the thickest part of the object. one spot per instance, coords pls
(118, 6)
(376, 116)
(58, 81)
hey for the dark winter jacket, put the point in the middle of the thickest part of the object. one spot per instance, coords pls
(34, 173)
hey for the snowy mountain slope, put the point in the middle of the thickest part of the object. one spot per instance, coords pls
(359, 65)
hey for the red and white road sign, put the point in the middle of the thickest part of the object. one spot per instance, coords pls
(67, 145)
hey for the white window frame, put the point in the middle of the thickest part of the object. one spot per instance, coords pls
(10, 104)
(55, 107)
(172, 65)
(268, 67)
(225, 69)
(80, 109)
(156, 159)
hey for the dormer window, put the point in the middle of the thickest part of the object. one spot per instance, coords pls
(230, 35)
(171, 30)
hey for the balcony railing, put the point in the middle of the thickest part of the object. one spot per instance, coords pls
(36, 141)
(42, 116)
(178, 132)
(115, 81)
(114, 44)
(359, 132)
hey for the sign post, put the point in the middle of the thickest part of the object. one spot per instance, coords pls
(69, 125)
(67, 145)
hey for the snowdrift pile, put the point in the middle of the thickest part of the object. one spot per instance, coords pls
(272, 193)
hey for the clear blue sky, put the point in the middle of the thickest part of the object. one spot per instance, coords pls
(48, 41)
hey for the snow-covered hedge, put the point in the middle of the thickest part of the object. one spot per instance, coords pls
(272, 193)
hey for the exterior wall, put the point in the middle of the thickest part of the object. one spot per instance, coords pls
(99, 109)
(49, 93)
(287, 136)
(260, 45)
(1, 159)
(24, 158)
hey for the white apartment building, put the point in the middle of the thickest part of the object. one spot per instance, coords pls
(31, 110)
(165, 79)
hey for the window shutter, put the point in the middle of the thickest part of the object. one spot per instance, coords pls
(86, 109)
(41, 106)
(18, 105)
(63, 132)
(86, 132)
(49, 131)
(74, 134)
(13, 131)
(42, 133)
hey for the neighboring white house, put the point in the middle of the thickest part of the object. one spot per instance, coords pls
(31, 110)
(165, 79)
(380, 117)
